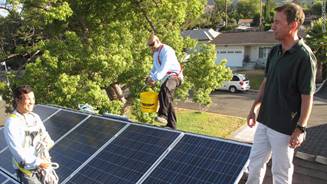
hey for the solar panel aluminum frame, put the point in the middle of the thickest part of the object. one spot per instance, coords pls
(96, 153)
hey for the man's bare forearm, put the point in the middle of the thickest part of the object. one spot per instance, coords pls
(306, 107)
(257, 102)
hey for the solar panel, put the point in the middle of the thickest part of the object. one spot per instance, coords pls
(198, 159)
(44, 111)
(62, 122)
(81, 143)
(6, 163)
(128, 157)
(93, 149)
(3, 177)
(3, 143)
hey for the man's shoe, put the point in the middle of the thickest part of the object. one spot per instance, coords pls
(161, 120)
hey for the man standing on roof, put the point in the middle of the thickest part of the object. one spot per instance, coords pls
(284, 100)
(168, 71)
(24, 132)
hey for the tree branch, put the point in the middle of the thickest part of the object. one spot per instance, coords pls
(13, 56)
(154, 29)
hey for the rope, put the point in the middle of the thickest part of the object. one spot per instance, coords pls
(46, 175)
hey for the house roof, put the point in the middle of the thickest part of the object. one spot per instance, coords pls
(245, 21)
(201, 34)
(245, 38)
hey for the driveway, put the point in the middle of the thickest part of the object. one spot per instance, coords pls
(239, 104)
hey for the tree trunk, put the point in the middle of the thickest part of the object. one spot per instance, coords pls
(115, 93)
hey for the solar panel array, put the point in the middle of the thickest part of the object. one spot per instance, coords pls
(94, 149)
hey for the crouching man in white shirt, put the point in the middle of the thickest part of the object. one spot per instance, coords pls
(27, 137)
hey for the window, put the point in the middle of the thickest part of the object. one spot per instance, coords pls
(263, 52)
(235, 78)
(222, 52)
(230, 51)
(238, 51)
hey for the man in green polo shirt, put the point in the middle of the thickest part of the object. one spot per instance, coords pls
(284, 101)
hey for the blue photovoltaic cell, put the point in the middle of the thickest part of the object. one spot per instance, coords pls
(62, 122)
(6, 163)
(44, 111)
(201, 160)
(81, 143)
(127, 158)
(3, 143)
(2, 177)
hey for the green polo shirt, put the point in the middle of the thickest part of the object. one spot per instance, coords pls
(288, 76)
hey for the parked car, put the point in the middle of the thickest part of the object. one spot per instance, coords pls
(238, 83)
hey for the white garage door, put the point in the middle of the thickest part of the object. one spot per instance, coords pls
(234, 57)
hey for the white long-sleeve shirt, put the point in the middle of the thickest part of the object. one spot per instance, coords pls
(168, 65)
(15, 130)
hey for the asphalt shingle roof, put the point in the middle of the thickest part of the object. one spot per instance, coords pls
(201, 34)
(245, 38)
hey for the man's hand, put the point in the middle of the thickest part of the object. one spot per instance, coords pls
(44, 165)
(150, 82)
(251, 120)
(296, 139)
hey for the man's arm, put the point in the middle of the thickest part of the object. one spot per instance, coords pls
(297, 136)
(251, 119)
(306, 107)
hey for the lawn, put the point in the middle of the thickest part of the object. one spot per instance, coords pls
(205, 123)
(255, 77)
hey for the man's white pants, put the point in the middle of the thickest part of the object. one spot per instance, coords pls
(268, 142)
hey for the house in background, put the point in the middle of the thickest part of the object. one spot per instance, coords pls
(245, 22)
(201, 35)
(245, 25)
(244, 48)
